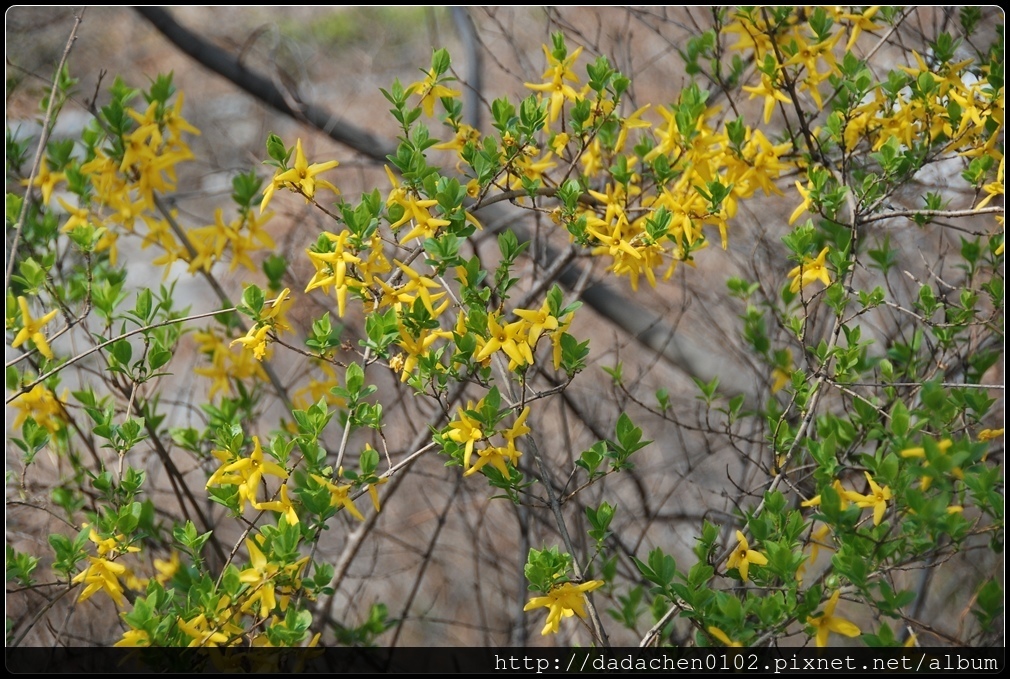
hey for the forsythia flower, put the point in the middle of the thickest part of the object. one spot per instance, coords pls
(803, 207)
(507, 337)
(465, 431)
(817, 540)
(256, 338)
(810, 271)
(495, 457)
(877, 499)
(844, 496)
(828, 622)
(102, 574)
(430, 90)
(558, 71)
(134, 638)
(301, 178)
(339, 496)
(46, 180)
(260, 578)
(246, 473)
(989, 434)
(770, 92)
(743, 556)
(42, 405)
(782, 375)
(920, 452)
(32, 329)
(167, 569)
(563, 601)
(282, 505)
(202, 632)
(723, 638)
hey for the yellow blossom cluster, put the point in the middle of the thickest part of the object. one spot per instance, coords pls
(563, 601)
(240, 237)
(270, 319)
(123, 189)
(466, 431)
(950, 104)
(919, 452)
(103, 572)
(246, 473)
(876, 499)
(270, 586)
(226, 364)
(43, 406)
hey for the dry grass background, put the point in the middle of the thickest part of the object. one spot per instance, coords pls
(444, 557)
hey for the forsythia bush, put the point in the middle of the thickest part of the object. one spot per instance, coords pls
(872, 459)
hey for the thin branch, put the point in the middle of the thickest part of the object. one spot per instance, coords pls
(973, 212)
(47, 128)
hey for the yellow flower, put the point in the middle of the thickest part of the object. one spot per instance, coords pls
(102, 574)
(271, 318)
(631, 122)
(877, 499)
(331, 268)
(429, 90)
(844, 496)
(771, 94)
(254, 340)
(41, 405)
(920, 452)
(723, 638)
(507, 338)
(559, 142)
(782, 375)
(563, 601)
(202, 632)
(373, 491)
(109, 546)
(134, 638)
(743, 556)
(339, 496)
(989, 434)
(246, 473)
(260, 578)
(495, 457)
(828, 622)
(557, 73)
(540, 321)
(79, 216)
(464, 133)
(32, 329)
(466, 431)
(282, 505)
(804, 206)
(301, 178)
(518, 428)
(810, 271)
(167, 569)
(818, 539)
(46, 180)
(859, 23)
(425, 225)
